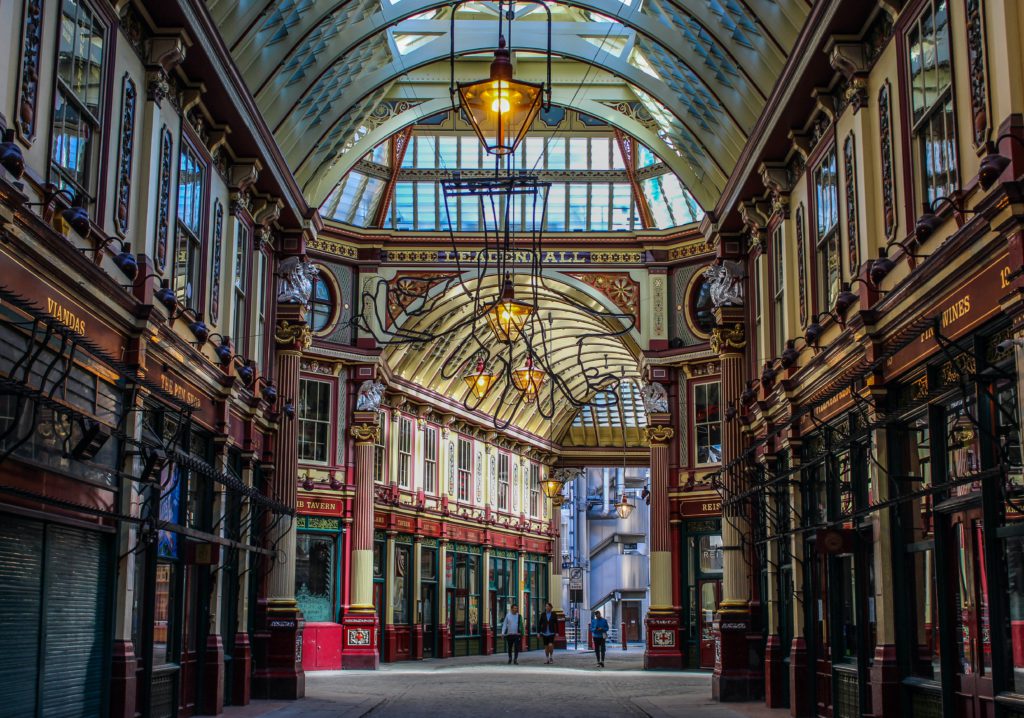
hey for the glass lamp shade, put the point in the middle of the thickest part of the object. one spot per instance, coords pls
(551, 486)
(528, 379)
(507, 316)
(479, 379)
(623, 508)
(500, 108)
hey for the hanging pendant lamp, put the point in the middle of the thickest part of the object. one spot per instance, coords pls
(479, 379)
(528, 379)
(507, 316)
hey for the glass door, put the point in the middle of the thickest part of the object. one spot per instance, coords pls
(973, 685)
(710, 593)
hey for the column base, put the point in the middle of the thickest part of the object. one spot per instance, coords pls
(360, 641)
(123, 685)
(885, 682)
(801, 700)
(445, 649)
(664, 649)
(277, 650)
(775, 679)
(241, 671)
(212, 700)
(732, 679)
(388, 644)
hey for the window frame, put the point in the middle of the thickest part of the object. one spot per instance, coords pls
(535, 504)
(917, 128)
(405, 447)
(240, 324)
(697, 424)
(331, 303)
(464, 473)
(504, 499)
(326, 421)
(380, 454)
(430, 452)
(778, 288)
(94, 177)
(195, 237)
(826, 238)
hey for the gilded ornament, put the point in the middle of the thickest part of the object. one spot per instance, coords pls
(723, 340)
(365, 433)
(659, 434)
(293, 333)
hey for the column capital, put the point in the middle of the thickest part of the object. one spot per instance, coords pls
(659, 434)
(365, 433)
(292, 334)
(728, 340)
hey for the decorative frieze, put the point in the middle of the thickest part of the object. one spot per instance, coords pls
(31, 46)
(850, 178)
(888, 171)
(218, 241)
(126, 154)
(801, 262)
(619, 287)
(976, 67)
(163, 200)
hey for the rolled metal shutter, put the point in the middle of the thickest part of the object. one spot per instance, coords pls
(21, 576)
(76, 643)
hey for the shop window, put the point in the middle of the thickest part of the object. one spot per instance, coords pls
(402, 577)
(314, 576)
(503, 485)
(77, 97)
(465, 478)
(378, 449)
(707, 422)
(931, 100)
(314, 420)
(826, 209)
(404, 452)
(710, 553)
(430, 460)
(379, 565)
(240, 331)
(503, 582)
(163, 614)
(1014, 559)
(778, 292)
(536, 586)
(191, 210)
(466, 584)
(321, 302)
(534, 490)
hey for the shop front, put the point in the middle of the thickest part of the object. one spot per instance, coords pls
(318, 572)
(701, 569)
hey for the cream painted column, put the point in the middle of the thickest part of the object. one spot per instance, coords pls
(389, 582)
(485, 603)
(417, 595)
(659, 435)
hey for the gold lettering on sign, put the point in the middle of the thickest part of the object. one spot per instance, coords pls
(1004, 277)
(180, 392)
(65, 316)
(958, 309)
(711, 507)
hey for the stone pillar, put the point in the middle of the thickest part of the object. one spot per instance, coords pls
(732, 677)
(444, 629)
(664, 647)
(388, 639)
(417, 597)
(360, 627)
(801, 674)
(279, 672)
(485, 600)
(555, 575)
(773, 666)
(885, 671)
(241, 656)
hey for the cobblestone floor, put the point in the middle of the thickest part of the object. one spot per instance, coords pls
(488, 686)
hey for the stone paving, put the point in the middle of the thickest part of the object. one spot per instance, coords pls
(488, 686)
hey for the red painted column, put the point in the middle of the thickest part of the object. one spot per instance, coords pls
(662, 624)
(360, 639)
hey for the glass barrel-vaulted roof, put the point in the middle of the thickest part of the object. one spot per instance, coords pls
(582, 158)
(336, 78)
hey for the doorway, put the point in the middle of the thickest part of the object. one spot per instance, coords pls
(631, 620)
(710, 592)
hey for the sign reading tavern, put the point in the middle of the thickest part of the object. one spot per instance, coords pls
(318, 506)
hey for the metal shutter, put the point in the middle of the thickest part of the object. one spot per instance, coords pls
(76, 640)
(21, 558)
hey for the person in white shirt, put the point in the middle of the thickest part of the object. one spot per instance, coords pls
(512, 629)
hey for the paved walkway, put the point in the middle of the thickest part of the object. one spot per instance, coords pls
(487, 685)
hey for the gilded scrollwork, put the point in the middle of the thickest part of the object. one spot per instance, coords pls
(724, 340)
(659, 434)
(293, 333)
(365, 433)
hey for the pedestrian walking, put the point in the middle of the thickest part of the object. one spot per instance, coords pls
(599, 632)
(547, 627)
(512, 629)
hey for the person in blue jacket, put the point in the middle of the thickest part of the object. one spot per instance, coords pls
(599, 632)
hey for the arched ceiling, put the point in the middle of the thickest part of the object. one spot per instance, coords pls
(320, 69)
(574, 339)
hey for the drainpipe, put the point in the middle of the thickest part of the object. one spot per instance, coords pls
(607, 480)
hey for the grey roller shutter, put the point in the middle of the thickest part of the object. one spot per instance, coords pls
(21, 559)
(76, 640)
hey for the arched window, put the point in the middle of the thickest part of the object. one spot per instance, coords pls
(321, 303)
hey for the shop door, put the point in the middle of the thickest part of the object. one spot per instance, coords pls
(631, 617)
(973, 693)
(428, 595)
(710, 593)
(450, 600)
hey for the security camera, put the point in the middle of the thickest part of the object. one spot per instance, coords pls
(1008, 344)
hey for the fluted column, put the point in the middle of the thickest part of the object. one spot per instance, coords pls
(664, 646)
(735, 677)
(278, 645)
(360, 625)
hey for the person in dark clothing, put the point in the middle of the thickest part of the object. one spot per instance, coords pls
(512, 629)
(599, 632)
(547, 627)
